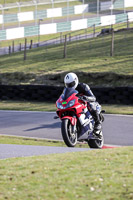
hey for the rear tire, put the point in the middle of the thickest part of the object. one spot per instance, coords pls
(69, 138)
(96, 143)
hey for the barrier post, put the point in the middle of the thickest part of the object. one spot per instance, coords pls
(65, 47)
(20, 47)
(61, 37)
(25, 49)
(31, 42)
(127, 22)
(112, 42)
(94, 30)
(9, 50)
(13, 46)
(69, 37)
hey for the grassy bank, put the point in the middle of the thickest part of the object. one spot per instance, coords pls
(90, 56)
(97, 174)
(36, 141)
(81, 56)
(29, 141)
(43, 106)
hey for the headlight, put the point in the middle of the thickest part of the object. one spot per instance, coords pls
(59, 105)
(70, 104)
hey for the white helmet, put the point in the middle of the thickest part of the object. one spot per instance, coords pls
(71, 80)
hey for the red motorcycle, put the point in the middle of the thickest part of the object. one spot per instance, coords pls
(77, 122)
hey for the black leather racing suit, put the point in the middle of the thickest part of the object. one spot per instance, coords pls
(85, 90)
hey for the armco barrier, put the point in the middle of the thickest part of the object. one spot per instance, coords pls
(74, 25)
(107, 95)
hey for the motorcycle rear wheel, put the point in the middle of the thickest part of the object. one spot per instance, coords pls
(96, 143)
(69, 138)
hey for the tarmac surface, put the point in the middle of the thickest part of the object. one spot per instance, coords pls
(12, 151)
(117, 130)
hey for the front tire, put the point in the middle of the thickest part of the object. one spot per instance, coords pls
(69, 138)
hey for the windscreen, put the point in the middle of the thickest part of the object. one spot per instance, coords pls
(68, 92)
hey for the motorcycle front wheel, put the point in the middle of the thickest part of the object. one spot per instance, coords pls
(69, 137)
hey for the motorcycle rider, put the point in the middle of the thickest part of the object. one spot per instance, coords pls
(71, 81)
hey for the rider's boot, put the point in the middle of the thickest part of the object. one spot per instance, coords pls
(98, 125)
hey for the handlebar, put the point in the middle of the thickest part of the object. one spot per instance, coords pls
(87, 98)
(81, 98)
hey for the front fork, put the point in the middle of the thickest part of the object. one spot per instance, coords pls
(73, 121)
(74, 128)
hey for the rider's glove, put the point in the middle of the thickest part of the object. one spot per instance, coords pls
(88, 99)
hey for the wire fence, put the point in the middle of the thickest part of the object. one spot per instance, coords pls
(114, 40)
(89, 33)
(108, 42)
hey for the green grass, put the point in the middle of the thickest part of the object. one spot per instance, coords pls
(89, 55)
(36, 141)
(118, 109)
(97, 174)
(27, 106)
(29, 141)
(44, 106)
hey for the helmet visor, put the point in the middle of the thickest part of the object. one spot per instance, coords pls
(70, 85)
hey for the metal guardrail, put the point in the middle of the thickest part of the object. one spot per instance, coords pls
(30, 3)
(59, 40)
(97, 7)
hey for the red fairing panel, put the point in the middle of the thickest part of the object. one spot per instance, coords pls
(73, 120)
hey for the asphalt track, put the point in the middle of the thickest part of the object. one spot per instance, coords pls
(117, 130)
(11, 151)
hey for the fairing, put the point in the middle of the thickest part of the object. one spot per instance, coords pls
(68, 101)
(68, 92)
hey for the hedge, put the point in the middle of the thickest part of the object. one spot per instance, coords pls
(106, 95)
